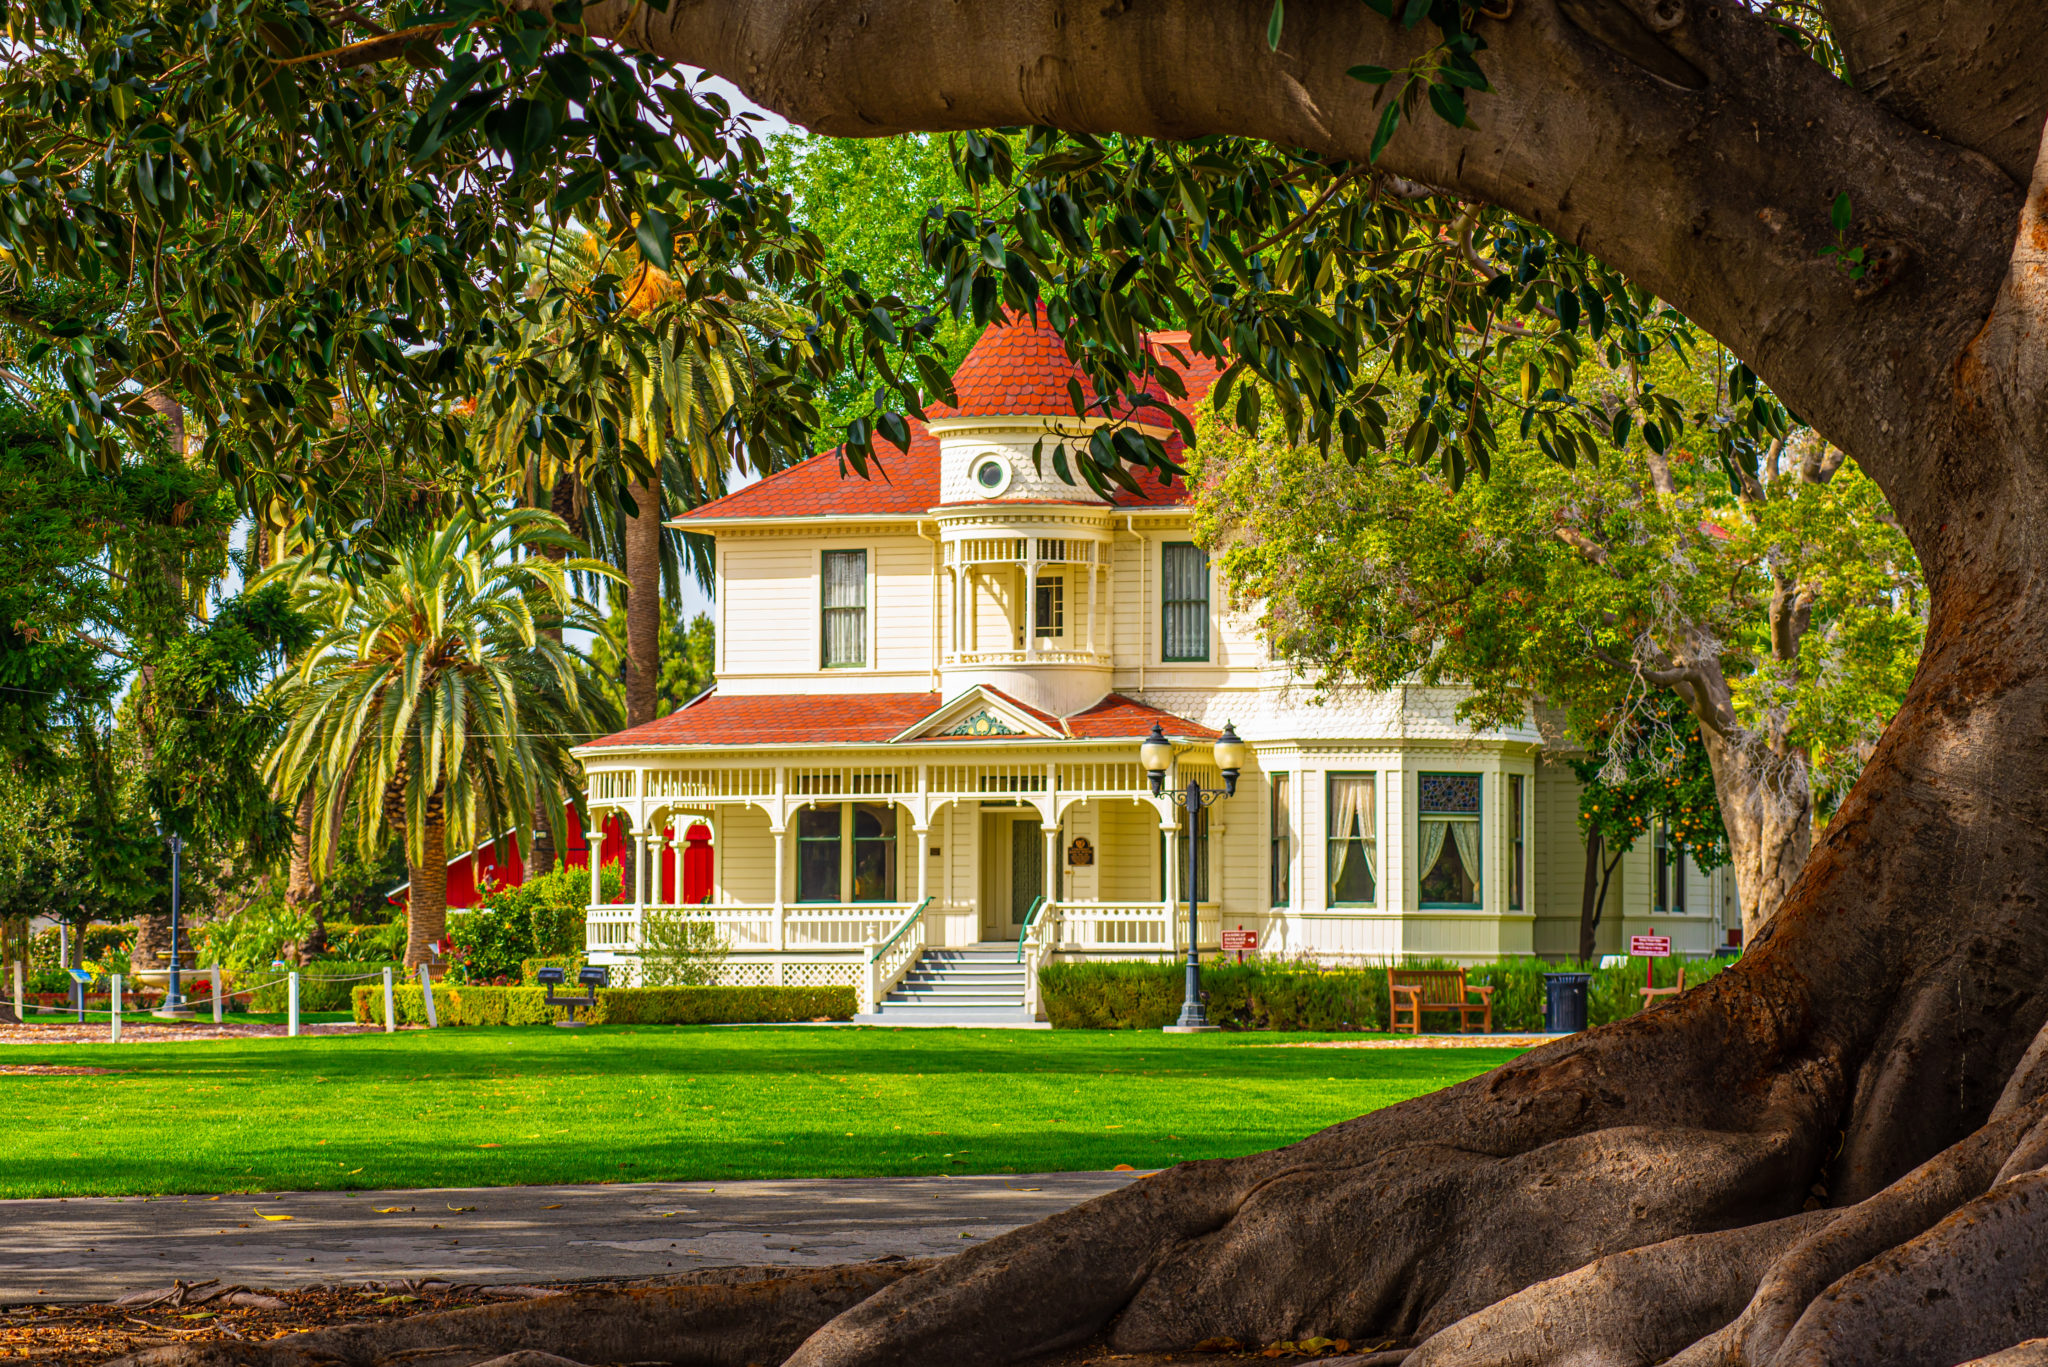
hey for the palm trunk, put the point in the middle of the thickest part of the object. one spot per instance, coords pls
(426, 910)
(564, 502)
(301, 887)
(643, 619)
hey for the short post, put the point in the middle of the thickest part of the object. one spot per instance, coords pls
(390, 1016)
(218, 1006)
(116, 1036)
(21, 991)
(427, 987)
(291, 1005)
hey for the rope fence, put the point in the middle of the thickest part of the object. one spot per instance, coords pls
(221, 994)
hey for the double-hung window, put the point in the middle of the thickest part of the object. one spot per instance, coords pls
(874, 853)
(1282, 843)
(845, 609)
(1447, 836)
(1516, 853)
(1667, 869)
(1184, 602)
(1354, 846)
(1050, 606)
(817, 853)
(828, 871)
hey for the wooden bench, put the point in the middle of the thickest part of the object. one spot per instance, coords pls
(1651, 995)
(1416, 990)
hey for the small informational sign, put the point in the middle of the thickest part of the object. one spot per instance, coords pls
(1080, 854)
(1650, 946)
(1240, 942)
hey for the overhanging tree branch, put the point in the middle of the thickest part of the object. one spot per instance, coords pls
(1589, 98)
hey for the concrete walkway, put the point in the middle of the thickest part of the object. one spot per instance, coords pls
(94, 1249)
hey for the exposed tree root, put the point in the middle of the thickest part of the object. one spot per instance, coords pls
(707, 1324)
(1625, 1309)
(2032, 1353)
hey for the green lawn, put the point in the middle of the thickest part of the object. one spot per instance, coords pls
(484, 1107)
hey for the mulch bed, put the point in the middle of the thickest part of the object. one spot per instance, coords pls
(79, 1335)
(83, 1335)
(133, 1031)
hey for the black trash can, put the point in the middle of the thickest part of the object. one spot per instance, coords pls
(1564, 1002)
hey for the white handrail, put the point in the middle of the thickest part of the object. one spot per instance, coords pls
(893, 958)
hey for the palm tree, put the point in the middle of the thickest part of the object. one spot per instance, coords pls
(664, 437)
(431, 704)
(659, 435)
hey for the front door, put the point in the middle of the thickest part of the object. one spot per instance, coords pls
(1027, 870)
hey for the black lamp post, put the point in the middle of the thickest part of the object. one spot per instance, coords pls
(1157, 755)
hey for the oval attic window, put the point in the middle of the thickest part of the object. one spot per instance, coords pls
(992, 475)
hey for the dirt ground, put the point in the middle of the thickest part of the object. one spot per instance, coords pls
(87, 1335)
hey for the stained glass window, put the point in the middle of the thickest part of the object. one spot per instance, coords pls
(1451, 794)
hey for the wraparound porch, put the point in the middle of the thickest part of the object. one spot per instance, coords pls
(981, 822)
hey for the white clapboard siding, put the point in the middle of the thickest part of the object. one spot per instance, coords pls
(771, 607)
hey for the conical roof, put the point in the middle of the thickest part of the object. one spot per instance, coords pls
(1019, 368)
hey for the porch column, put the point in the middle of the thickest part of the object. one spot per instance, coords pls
(716, 822)
(781, 933)
(1052, 865)
(1170, 852)
(922, 834)
(973, 606)
(595, 850)
(1030, 595)
(1094, 573)
(639, 857)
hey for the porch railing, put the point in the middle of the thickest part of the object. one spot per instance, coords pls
(893, 958)
(1034, 942)
(847, 927)
(1132, 927)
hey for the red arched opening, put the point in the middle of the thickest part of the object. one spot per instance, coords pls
(697, 865)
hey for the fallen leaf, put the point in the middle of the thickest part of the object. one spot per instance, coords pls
(390, 1210)
(351, 1172)
(272, 1217)
(490, 1146)
(555, 1207)
(1123, 1167)
(213, 1198)
(459, 1209)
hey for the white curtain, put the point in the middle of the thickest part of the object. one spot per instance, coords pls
(1352, 818)
(845, 606)
(1433, 834)
(1466, 834)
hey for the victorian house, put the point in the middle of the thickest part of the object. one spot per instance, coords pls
(919, 772)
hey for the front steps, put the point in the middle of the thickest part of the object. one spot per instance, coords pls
(973, 985)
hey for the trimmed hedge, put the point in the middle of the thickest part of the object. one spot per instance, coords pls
(1281, 995)
(455, 1004)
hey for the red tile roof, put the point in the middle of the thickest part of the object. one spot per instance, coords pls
(870, 719)
(782, 719)
(1039, 715)
(1016, 369)
(1117, 717)
(898, 483)
(1020, 368)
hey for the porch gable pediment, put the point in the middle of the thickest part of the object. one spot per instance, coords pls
(983, 713)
